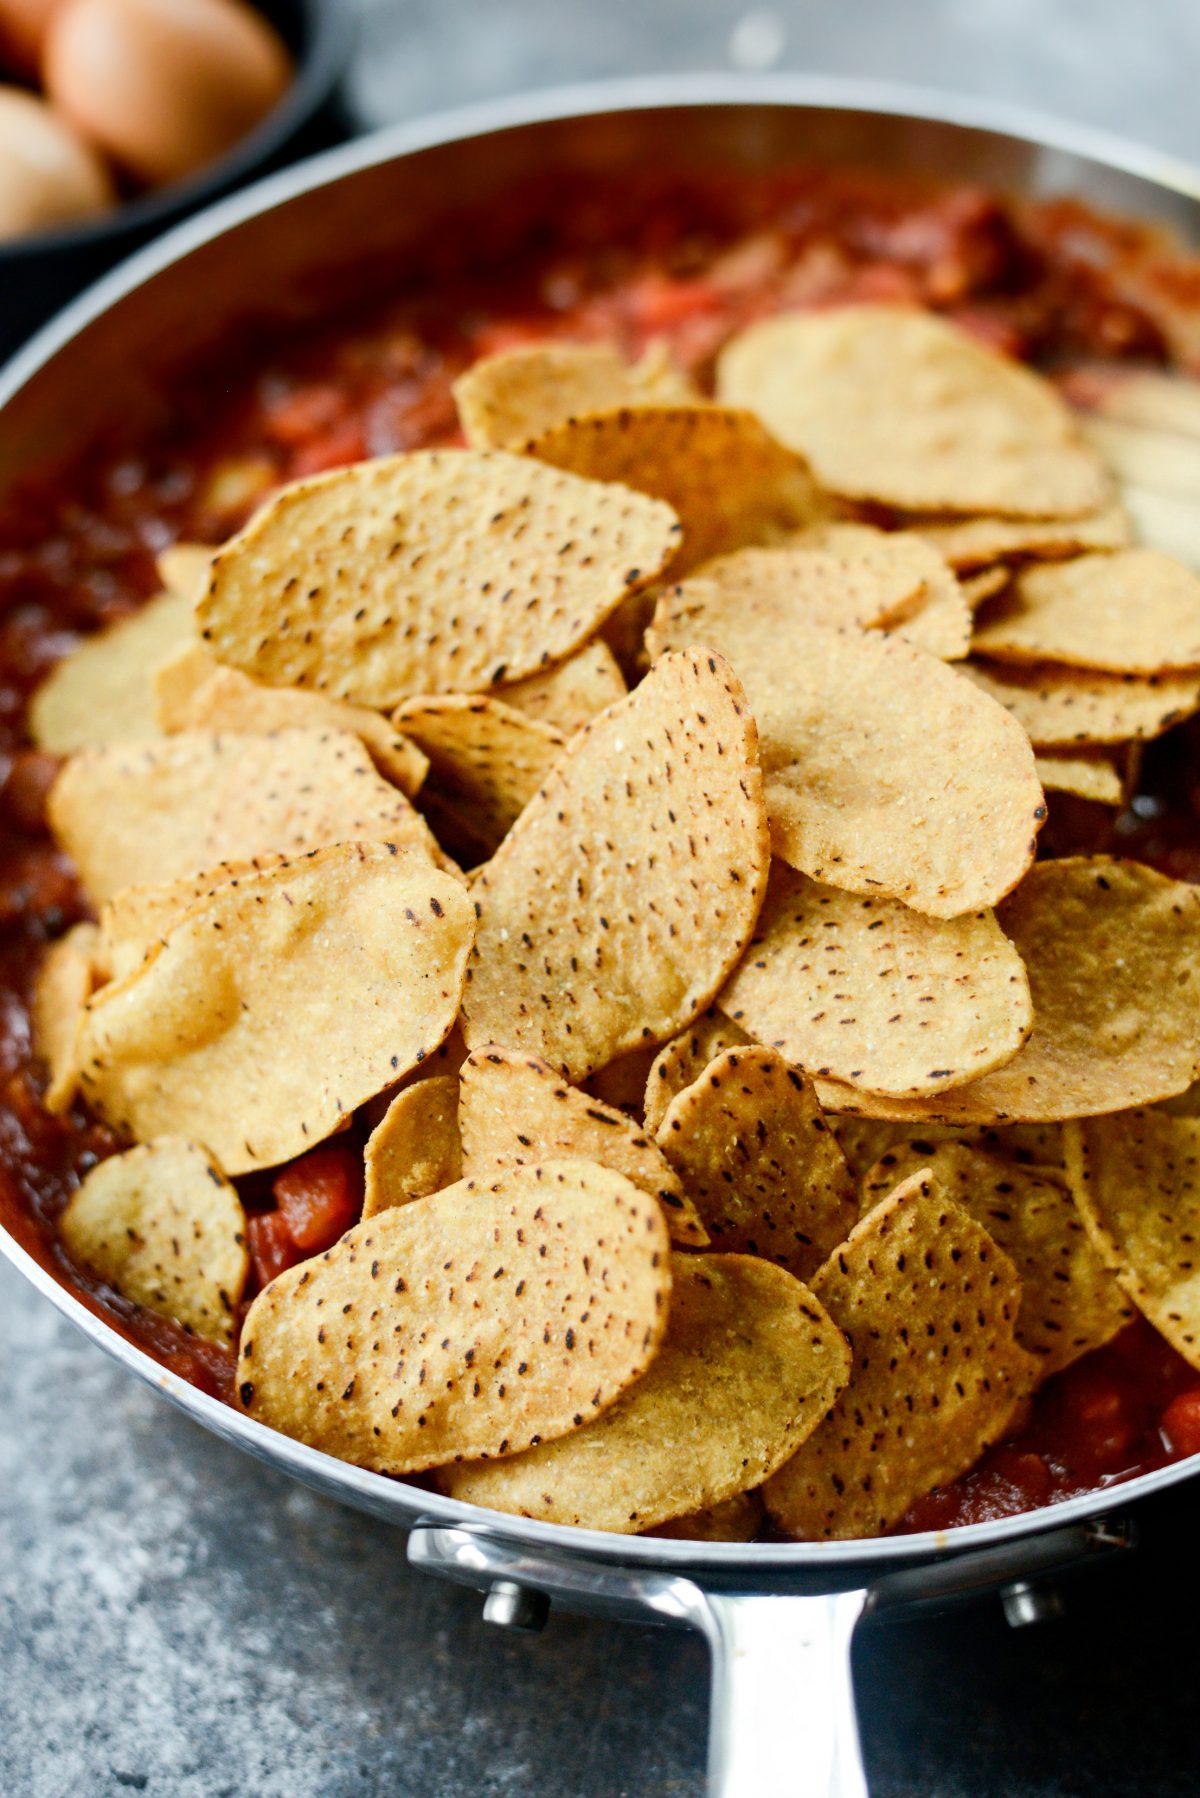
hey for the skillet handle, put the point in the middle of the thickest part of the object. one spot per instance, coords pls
(783, 1721)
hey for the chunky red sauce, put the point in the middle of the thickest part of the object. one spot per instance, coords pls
(682, 263)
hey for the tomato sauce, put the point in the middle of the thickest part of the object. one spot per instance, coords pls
(671, 261)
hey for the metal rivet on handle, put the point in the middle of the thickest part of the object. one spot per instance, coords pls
(1025, 1603)
(516, 1607)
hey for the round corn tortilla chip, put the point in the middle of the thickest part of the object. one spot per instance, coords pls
(140, 814)
(496, 1314)
(884, 773)
(103, 691)
(437, 572)
(1136, 1180)
(729, 481)
(1070, 1303)
(750, 1364)
(277, 1005)
(569, 696)
(929, 1305)
(893, 405)
(1134, 611)
(628, 889)
(515, 1110)
(683, 1060)
(760, 1163)
(192, 692)
(487, 760)
(1087, 777)
(973, 543)
(1112, 950)
(868, 992)
(863, 1141)
(504, 400)
(65, 982)
(163, 1226)
(1060, 707)
(415, 1149)
(136, 919)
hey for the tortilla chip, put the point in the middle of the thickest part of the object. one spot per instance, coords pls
(442, 571)
(749, 1366)
(736, 1519)
(275, 1007)
(1150, 397)
(891, 404)
(936, 617)
(1132, 611)
(1136, 1180)
(504, 400)
(883, 772)
(682, 1061)
(516, 1111)
(139, 814)
(730, 483)
(1091, 777)
(65, 982)
(873, 994)
(415, 1149)
(489, 1317)
(192, 692)
(1058, 707)
(972, 543)
(929, 1304)
(101, 692)
(756, 1157)
(1112, 950)
(136, 920)
(975, 588)
(622, 898)
(162, 1225)
(184, 568)
(569, 696)
(487, 760)
(1070, 1303)
(863, 1141)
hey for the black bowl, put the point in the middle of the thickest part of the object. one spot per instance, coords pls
(39, 274)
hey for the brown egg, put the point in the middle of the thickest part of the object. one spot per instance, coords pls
(23, 28)
(163, 86)
(47, 175)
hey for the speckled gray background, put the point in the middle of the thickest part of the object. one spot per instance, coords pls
(176, 1620)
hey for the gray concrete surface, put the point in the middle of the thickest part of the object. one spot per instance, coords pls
(177, 1621)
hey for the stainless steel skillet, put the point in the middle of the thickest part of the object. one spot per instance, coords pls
(778, 1617)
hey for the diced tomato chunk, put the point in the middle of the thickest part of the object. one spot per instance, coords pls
(272, 1250)
(320, 1196)
(1101, 1417)
(1181, 1423)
